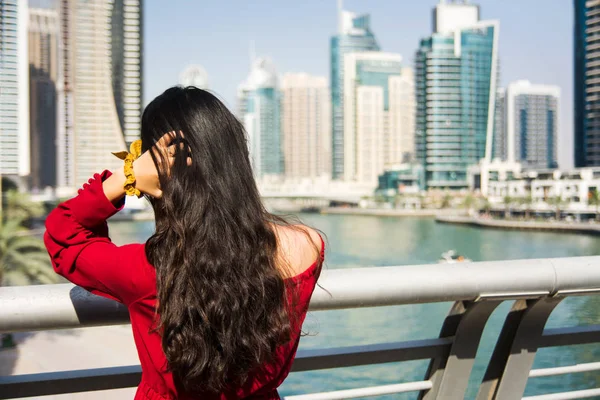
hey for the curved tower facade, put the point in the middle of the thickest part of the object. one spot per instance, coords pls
(99, 85)
(259, 110)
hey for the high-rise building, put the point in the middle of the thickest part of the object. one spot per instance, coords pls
(586, 77)
(259, 109)
(532, 124)
(354, 35)
(400, 138)
(306, 126)
(499, 147)
(14, 93)
(378, 109)
(126, 58)
(43, 73)
(456, 77)
(194, 75)
(99, 85)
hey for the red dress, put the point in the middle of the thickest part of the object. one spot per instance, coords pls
(81, 251)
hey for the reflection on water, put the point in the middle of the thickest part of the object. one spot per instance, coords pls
(354, 241)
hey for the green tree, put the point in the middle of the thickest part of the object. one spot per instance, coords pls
(508, 201)
(527, 201)
(446, 200)
(23, 257)
(469, 201)
(380, 198)
(19, 205)
(594, 200)
(423, 201)
(557, 202)
(486, 206)
(399, 200)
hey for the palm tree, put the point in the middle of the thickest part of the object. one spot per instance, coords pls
(486, 206)
(527, 201)
(23, 258)
(19, 205)
(446, 201)
(507, 203)
(468, 201)
(422, 200)
(594, 200)
(398, 200)
(558, 202)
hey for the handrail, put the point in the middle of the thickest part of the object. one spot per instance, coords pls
(536, 287)
(67, 306)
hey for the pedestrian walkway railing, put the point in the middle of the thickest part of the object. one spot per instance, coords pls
(535, 288)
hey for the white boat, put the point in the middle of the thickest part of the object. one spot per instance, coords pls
(450, 257)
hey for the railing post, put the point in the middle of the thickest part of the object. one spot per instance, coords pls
(507, 373)
(450, 375)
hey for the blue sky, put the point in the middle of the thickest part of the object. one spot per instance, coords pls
(535, 40)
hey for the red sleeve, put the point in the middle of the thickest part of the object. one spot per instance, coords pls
(77, 240)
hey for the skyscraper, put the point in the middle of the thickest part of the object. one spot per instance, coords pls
(400, 140)
(126, 57)
(378, 109)
(259, 109)
(14, 81)
(532, 124)
(99, 86)
(194, 75)
(354, 35)
(306, 126)
(499, 146)
(586, 74)
(43, 73)
(456, 74)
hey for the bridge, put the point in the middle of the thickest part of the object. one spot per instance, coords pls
(317, 189)
(533, 287)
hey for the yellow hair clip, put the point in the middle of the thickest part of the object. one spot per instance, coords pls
(135, 151)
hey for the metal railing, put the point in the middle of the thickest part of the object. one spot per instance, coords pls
(536, 287)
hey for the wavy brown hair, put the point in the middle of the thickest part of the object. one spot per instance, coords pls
(222, 306)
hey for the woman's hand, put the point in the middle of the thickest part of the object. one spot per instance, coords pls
(146, 175)
(145, 171)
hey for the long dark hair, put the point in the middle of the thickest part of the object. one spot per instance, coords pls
(221, 298)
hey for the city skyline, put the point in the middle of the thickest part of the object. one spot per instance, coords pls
(545, 56)
(356, 33)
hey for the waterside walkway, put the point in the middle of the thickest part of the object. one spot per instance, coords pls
(550, 226)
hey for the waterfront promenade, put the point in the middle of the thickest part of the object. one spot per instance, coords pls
(549, 226)
(390, 212)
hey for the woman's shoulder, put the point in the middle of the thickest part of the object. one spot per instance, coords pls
(300, 248)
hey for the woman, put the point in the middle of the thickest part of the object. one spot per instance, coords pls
(218, 294)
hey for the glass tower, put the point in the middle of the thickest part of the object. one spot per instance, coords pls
(456, 90)
(99, 86)
(354, 35)
(43, 74)
(374, 114)
(532, 124)
(586, 75)
(259, 108)
(500, 147)
(126, 58)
